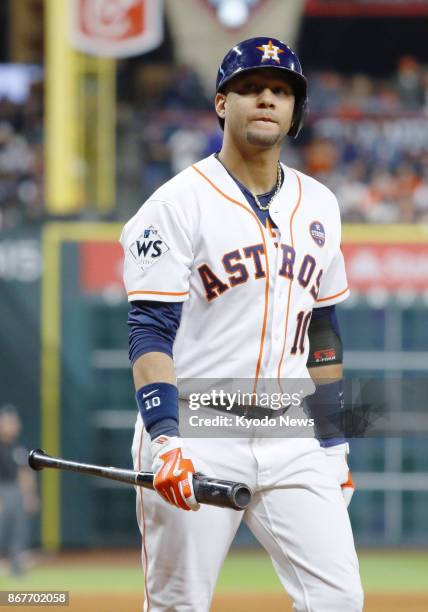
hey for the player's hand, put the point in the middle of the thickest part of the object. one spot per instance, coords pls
(337, 458)
(173, 472)
(31, 504)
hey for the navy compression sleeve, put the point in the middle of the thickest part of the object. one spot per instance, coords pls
(152, 327)
(325, 344)
(327, 312)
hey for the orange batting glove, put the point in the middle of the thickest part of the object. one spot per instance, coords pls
(173, 478)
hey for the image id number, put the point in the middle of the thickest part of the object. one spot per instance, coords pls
(34, 598)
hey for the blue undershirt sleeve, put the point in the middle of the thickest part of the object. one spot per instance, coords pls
(152, 327)
(327, 312)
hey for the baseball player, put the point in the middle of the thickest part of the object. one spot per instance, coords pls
(233, 269)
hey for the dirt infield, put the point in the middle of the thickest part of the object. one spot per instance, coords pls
(237, 602)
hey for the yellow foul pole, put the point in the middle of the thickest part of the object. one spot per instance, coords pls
(65, 166)
(106, 135)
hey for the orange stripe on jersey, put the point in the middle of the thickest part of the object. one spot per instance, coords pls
(299, 197)
(143, 521)
(262, 338)
(157, 293)
(331, 297)
(269, 227)
(271, 232)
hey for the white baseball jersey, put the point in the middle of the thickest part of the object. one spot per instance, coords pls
(248, 290)
(247, 293)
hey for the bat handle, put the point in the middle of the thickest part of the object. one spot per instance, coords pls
(35, 459)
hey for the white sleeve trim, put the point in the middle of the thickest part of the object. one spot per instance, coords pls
(158, 296)
(341, 296)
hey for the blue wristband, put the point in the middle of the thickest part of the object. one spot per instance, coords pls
(158, 406)
(329, 442)
(326, 407)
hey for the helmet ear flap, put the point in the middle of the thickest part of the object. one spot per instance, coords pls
(298, 117)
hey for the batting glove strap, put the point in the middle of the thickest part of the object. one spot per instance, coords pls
(173, 478)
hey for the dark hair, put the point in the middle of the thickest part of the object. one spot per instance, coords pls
(8, 409)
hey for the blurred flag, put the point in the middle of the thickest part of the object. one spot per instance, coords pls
(116, 28)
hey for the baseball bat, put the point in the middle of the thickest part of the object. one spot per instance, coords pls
(211, 491)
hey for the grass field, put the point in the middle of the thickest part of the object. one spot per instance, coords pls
(244, 574)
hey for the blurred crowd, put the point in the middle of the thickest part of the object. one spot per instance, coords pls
(21, 159)
(369, 143)
(365, 137)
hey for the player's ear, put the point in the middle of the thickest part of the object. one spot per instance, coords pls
(220, 105)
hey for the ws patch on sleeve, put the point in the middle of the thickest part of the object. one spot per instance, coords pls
(148, 248)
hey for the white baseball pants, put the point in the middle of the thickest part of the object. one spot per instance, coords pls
(297, 514)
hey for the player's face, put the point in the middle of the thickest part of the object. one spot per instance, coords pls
(257, 108)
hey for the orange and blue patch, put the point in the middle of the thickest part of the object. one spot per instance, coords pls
(317, 232)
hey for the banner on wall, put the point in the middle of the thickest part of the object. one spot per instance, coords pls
(392, 267)
(116, 28)
(361, 8)
(369, 265)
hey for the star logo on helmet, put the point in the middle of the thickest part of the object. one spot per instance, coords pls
(270, 51)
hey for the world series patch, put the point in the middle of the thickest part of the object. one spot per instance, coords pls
(148, 248)
(317, 232)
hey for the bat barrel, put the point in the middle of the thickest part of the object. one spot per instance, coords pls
(241, 496)
(222, 493)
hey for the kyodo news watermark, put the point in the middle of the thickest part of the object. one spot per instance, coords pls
(371, 407)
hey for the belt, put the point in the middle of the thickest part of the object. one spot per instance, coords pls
(251, 412)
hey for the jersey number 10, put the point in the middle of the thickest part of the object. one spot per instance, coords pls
(301, 329)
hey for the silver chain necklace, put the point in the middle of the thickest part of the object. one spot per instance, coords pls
(278, 187)
(256, 199)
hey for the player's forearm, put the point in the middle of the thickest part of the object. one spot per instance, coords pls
(323, 375)
(156, 393)
(152, 368)
(152, 329)
(326, 404)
